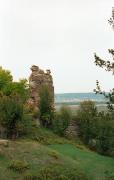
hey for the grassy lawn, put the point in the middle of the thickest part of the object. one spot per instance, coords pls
(95, 166)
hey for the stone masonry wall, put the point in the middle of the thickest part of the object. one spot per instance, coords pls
(37, 79)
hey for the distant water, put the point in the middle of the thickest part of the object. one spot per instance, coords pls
(76, 98)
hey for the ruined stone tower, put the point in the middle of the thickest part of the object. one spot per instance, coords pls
(39, 78)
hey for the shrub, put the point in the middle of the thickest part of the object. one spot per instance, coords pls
(30, 177)
(46, 106)
(20, 88)
(5, 78)
(54, 154)
(63, 177)
(11, 113)
(105, 133)
(60, 174)
(25, 125)
(86, 114)
(7, 86)
(111, 177)
(96, 128)
(56, 173)
(47, 173)
(14, 119)
(19, 166)
(61, 120)
(40, 139)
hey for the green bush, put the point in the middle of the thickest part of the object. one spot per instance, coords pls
(86, 115)
(24, 127)
(40, 177)
(20, 88)
(111, 177)
(5, 78)
(54, 154)
(46, 106)
(105, 133)
(13, 117)
(19, 166)
(61, 120)
(8, 86)
(11, 113)
(96, 128)
(30, 177)
(54, 174)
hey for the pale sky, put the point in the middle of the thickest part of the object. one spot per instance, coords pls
(61, 35)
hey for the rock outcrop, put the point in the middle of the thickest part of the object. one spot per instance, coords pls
(37, 80)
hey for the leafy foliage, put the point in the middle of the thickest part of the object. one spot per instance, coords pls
(12, 97)
(61, 120)
(108, 65)
(5, 78)
(111, 177)
(19, 166)
(45, 107)
(86, 116)
(20, 88)
(109, 96)
(8, 86)
(96, 128)
(11, 113)
(111, 20)
(104, 122)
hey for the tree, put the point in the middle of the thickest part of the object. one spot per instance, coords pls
(111, 20)
(21, 88)
(11, 114)
(46, 106)
(96, 128)
(86, 117)
(5, 78)
(13, 96)
(105, 121)
(105, 133)
(108, 66)
(62, 120)
(8, 86)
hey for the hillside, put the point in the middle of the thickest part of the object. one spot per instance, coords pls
(43, 155)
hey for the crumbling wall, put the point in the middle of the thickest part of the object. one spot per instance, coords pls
(39, 78)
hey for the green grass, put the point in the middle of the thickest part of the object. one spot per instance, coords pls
(49, 157)
(41, 161)
(95, 166)
(46, 137)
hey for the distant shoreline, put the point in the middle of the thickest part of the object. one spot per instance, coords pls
(74, 99)
(78, 103)
(74, 107)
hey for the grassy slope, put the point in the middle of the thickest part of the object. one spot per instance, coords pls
(37, 151)
(96, 167)
(37, 156)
